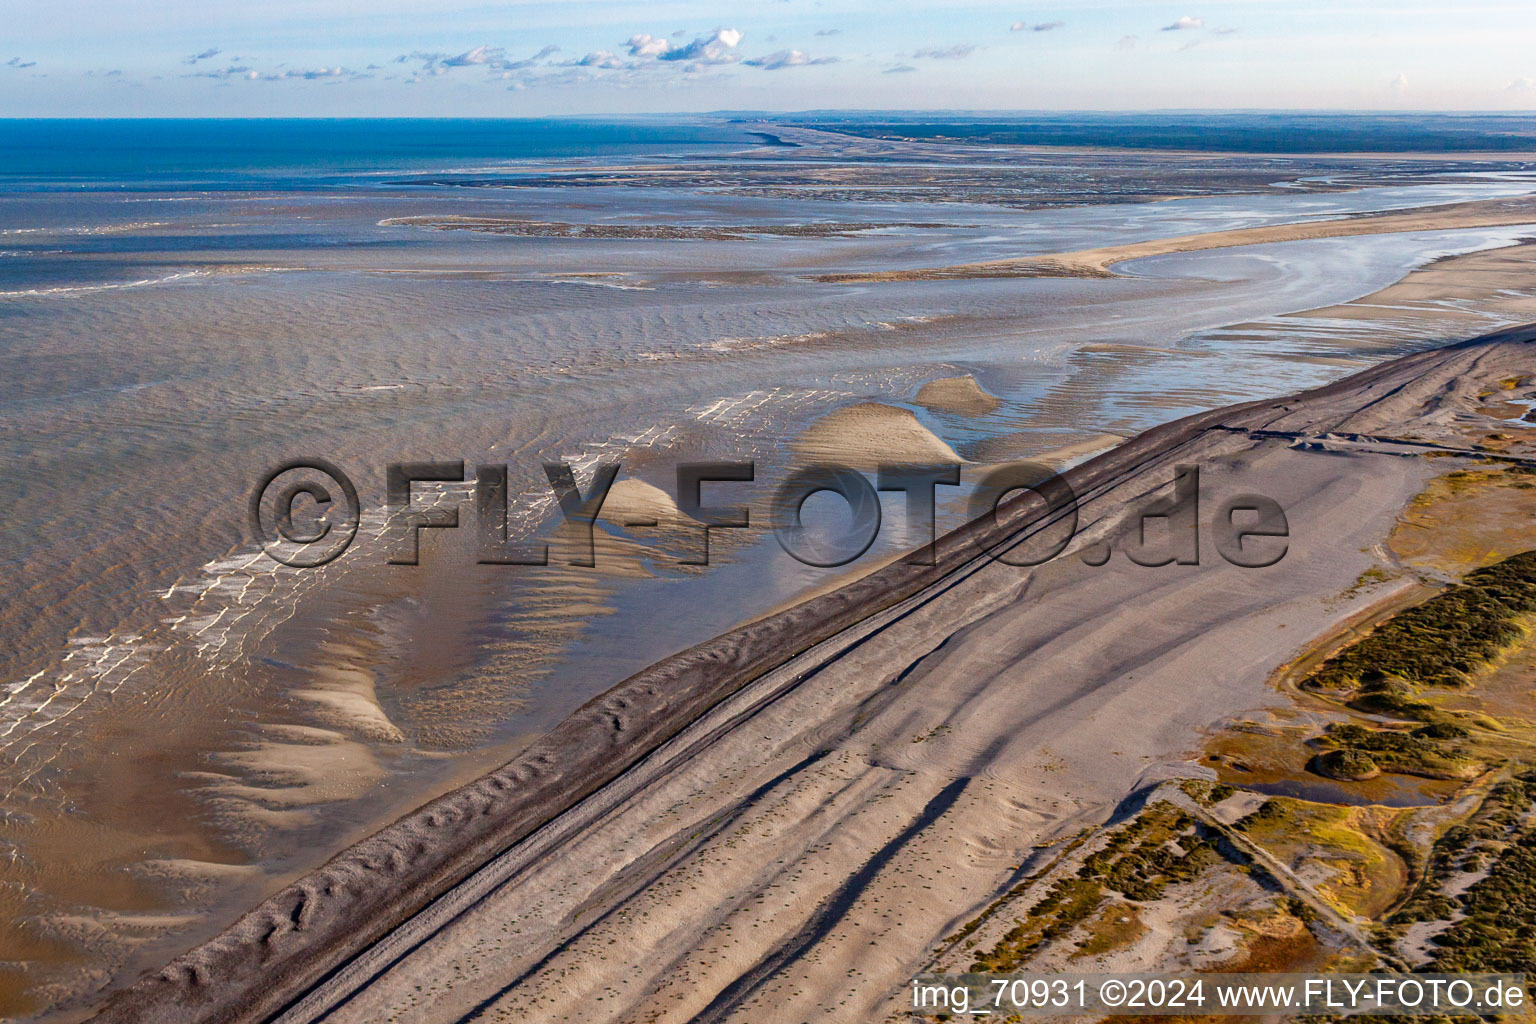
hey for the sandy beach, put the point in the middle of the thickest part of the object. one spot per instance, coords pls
(784, 822)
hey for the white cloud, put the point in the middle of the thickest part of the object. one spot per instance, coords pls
(1520, 85)
(1043, 26)
(479, 55)
(249, 74)
(957, 52)
(514, 65)
(787, 59)
(644, 45)
(718, 48)
(601, 59)
(1400, 83)
(232, 71)
(1185, 24)
(1127, 42)
(492, 58)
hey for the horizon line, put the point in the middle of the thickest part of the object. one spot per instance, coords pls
(770, 114)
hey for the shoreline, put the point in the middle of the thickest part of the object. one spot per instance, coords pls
(297, 937)
(812, 134)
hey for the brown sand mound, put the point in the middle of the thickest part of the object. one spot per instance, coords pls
(870, 433)
(345, 699)
(630, 500)
(958, 395)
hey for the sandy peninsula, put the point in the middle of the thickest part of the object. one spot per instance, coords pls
(788, 821)
(1098, 261)
(526, 228)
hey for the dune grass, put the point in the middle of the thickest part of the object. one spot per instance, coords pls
(1441, 642)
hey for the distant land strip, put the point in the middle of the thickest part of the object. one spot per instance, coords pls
(710, 232)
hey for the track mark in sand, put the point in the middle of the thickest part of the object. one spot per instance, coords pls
(647, 868)
(1340, 440)
(639, 874)
(830, 912)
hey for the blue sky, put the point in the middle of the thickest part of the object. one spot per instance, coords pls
(516, 58)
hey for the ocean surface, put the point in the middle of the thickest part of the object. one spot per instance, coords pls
(218, 153)
(184, 306)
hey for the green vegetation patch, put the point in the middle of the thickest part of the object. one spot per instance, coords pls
(1341, 847)
(1346, 764)
(1499, 931)
(1470, 846)
(1357, 750)
(1444, 640)
(1160, 847)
